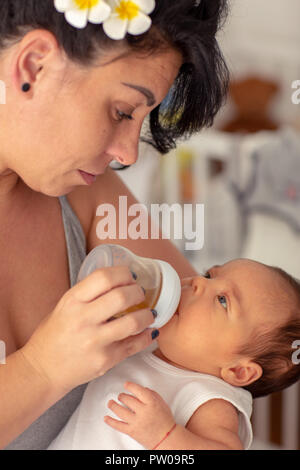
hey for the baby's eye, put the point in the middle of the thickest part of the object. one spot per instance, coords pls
(206, 274)
(223, 301)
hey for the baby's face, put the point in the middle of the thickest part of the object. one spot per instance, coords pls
(217, 313)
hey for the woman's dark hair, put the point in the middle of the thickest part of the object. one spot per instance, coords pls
(189, 26)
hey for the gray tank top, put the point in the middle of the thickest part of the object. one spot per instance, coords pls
(41, 432)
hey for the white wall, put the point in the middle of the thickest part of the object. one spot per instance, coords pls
(263, 37)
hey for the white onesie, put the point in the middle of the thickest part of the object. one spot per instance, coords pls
(183, 390)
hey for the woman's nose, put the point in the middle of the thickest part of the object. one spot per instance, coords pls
(127, 158)
(125, 147)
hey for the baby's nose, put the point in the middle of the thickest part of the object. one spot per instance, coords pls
(198, 284)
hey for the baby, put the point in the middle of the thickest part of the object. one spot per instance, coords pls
(229, 340)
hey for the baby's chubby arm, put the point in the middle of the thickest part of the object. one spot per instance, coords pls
(147, 418)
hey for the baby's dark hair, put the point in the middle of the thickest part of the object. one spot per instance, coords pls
(188, 26)
(276, 351)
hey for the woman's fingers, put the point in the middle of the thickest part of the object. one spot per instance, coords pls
(101, 281)
(127, 347)
(75, 343)
(111, 291)
(128, 325)
(115, 301)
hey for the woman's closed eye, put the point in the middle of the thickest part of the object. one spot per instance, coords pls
(121, 116)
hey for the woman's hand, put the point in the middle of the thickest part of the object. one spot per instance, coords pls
(76, 343)
(146, 417)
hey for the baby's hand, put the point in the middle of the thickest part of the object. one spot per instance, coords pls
(145, 417)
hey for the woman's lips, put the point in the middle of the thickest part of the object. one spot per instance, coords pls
(87, 177)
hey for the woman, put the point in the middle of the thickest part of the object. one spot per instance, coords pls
(76, 100)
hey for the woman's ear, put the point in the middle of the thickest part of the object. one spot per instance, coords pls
(242, 374)
(37, 48)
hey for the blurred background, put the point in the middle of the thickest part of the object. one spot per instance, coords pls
(245, 170)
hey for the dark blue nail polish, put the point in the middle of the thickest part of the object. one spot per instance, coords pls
(133, 275)
(154, 313)
(155, 334)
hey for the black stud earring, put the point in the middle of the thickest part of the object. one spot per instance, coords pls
(26, 87)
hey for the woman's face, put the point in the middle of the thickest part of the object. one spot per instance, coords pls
(78, 118)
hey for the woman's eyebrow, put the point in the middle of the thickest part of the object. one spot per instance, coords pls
(145, 91)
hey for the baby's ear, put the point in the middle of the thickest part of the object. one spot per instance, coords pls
(242, 374)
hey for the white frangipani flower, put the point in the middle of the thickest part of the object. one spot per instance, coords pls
(79, 12)
(128, 16)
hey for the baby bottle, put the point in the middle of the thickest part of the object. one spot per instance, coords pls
(160, 281)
